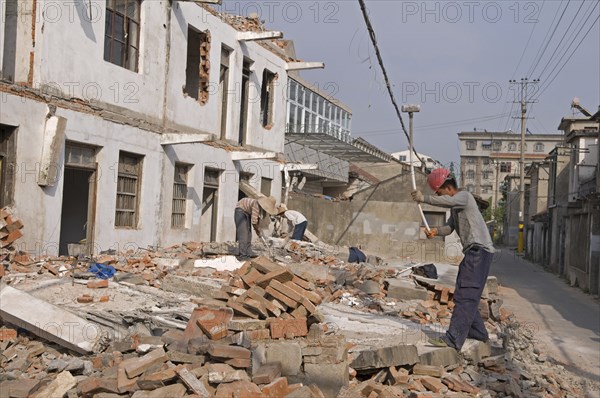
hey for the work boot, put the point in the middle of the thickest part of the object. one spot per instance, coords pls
(440, 342)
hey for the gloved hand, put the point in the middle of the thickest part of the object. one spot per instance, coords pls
(417, 196)
(432, 233)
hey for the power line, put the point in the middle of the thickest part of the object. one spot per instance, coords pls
(561, 40)
(536, 59)
(528, 40)
(435, 125)
(383, 70)
(568, 58)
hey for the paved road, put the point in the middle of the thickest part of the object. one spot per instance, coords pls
(567, 321)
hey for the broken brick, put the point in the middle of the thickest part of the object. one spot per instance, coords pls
(267, 373)
(288, 328)
(7, 334)
(227, 351)
(97, 284)
(213, 322)
(137, 366)
(85, 299)
(278, 388)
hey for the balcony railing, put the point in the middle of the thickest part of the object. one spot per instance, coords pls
(333, 131)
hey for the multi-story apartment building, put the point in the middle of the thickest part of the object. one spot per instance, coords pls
(129, 123)
(486, 158)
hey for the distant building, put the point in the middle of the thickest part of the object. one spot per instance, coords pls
(486, 158)
(430, 163)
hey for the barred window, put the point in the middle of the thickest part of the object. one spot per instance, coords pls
(505, 167)
(122, 33)
(128, 187)
(470, 174)
(179, 196)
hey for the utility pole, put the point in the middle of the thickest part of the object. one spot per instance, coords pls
(523, 101)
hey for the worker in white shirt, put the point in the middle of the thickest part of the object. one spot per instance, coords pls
(296, 219)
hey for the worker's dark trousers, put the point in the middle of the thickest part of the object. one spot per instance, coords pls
(299, 230)
(472, 275)
(243, 232)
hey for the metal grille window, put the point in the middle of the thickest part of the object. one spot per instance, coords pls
(122, 33)
(128, 187)
(179, 196)
(505, 167)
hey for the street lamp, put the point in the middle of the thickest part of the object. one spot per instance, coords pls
(411, 109)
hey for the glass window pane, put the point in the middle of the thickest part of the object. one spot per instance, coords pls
(120, 6)
(119, 32)
(300, 98)
(117, 53)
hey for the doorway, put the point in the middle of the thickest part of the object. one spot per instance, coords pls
(210, 198)
(78, 201)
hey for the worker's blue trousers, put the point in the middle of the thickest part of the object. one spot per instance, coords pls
(472, 275)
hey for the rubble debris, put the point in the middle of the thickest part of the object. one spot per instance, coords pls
(263, 328)
(10, 227)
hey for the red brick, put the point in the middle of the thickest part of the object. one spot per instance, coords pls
(288, 328)
(241, 310)
(256, 306)
(278, 388)
(228, 351)
(7, 334)
(97, 284)
(104, 299)
(432, 384)
(303, 283)
(275, 284)
(213, 322)
(267, 373)
(308, 294)
(264, 265)
(281, 297)
(251, 277)
(85, 299)
(11, 237)
(1, 270)
(239, 362)
(137, 366)
(238, 389)
(282, 275)
(93, 385)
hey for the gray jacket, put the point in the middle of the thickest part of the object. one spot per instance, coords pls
(465, 218)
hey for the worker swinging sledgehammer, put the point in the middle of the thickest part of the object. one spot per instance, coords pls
(466, 219)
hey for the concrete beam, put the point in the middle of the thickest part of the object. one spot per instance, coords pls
(296, 167)
(52, 148)
(49, 321)
(184, 138)
(254, 36)
(254, 155)
(304, 65)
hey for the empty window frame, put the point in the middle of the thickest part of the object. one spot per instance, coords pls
(267, 94)
(180, 188)
(497, 146)
(505, 167)
(470, 160)
(486, 146)
(471, 174)
(265, 186)
(197, 71)
(539, 147)
(512, 147)
(485, 175)
(122, 33)
(471, 145)
(128, 189)
(224, 88)
(8, 151)
(246, 73)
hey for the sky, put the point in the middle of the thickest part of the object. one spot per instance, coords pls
(454, 58)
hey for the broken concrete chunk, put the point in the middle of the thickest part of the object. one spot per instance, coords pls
(267, 373)
(404, 290)
(386, 357)
(223, 373)
(137, 366)
(63, 382)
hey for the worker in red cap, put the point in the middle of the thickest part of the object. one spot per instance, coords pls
(466, 219)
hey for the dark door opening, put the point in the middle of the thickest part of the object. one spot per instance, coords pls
(74, 223)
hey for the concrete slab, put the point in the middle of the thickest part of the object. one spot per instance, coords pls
(49, 321)
(405, 289)
(224, 263)
(197, 286)
(371, 330)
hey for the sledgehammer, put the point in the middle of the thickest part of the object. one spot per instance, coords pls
(264, 241)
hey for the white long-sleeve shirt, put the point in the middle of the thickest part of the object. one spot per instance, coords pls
(294, 216)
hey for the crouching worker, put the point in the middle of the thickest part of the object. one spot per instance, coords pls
(248, 215)
(466, 219)
(295, 219)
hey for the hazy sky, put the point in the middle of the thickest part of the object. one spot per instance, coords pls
(455, 58)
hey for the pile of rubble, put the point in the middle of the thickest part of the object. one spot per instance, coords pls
(261, 328)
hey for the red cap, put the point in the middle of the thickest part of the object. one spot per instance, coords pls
(437, 178)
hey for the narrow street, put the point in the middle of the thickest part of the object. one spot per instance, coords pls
(564, 319)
